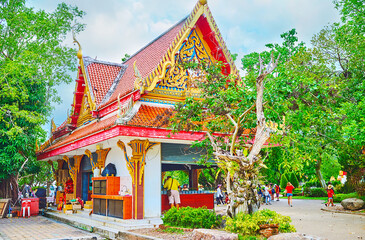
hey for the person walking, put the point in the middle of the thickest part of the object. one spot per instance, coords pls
(330, 195)
(219, 196)
(272, 192)
(289, 193)
(267, 193)
(172, 186)
(260, 193)
(277, 192)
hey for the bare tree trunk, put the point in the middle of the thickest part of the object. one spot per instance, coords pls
(9, 188)
(244, 197)
(319, 173)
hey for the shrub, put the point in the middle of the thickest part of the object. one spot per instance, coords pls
(312, 183)
(293, 179)
(283, 181)
(336, 182)
(249, 224)
(339, 197)
(338, 188)
(188, 217)
(317, 192)
(348, 188)
(297, 192)
(306, 191)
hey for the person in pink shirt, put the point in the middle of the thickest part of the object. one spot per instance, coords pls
(289, 193)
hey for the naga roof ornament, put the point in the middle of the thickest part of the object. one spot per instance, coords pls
(79, 52)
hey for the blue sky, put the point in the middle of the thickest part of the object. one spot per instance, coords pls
(116, 27)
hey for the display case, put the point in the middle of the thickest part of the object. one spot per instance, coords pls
(106, 185)
(107, 202)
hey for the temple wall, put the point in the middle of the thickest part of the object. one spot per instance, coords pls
(152, 187)
(116, 157)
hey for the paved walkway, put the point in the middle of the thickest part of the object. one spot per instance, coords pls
(307, 217)
(39, 227)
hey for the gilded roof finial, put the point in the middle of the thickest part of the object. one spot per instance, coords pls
(79, 53)
(203, 2)
(138, 82)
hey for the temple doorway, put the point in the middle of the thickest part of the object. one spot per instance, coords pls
(86, 186)
(86, 182)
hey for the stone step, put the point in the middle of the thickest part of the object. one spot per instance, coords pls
(106, 226)
(88, 206)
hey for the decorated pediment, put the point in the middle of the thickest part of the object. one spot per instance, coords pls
(82, 105)
(199, 40)
(192, 49)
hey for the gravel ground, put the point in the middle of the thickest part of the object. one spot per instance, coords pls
(155, 233)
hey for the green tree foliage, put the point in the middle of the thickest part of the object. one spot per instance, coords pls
(320, 92)
(33, 62)
(181, 176)
(223, 106)
(293, 179)
(283, 181)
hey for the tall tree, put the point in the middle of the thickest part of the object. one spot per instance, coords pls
(33, 62)
(320, 91)
(223, 110)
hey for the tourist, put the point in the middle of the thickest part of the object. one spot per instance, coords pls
(272, 192)
(277, 191)
(173, 186)
(267, 194)
(219, 196)
(259, 192)
(185, 187)
(26, 191)
(330, 195)
(227, 198)
(289, 193)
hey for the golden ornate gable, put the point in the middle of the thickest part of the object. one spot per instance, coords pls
(169, 82)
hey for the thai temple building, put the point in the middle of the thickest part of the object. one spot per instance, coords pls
(116, 118)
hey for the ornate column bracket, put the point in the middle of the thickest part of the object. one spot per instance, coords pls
(135, 166)
(54, 172)
(100, 162)
(71, 170)
(138, 159)
(74, 170)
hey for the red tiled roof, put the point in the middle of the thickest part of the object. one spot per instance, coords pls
(101, 76)
(61, 126)
(85, 131)
(149, 116)
(147, 59)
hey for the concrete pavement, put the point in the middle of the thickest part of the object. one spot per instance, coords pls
(307, 217)
(36, 228)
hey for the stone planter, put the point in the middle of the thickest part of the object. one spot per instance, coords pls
(267, 230)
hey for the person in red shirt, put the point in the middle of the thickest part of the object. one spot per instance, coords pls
(277, 192)
(289, 193)
(330, 194)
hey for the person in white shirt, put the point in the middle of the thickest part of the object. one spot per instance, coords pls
(219, 196)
